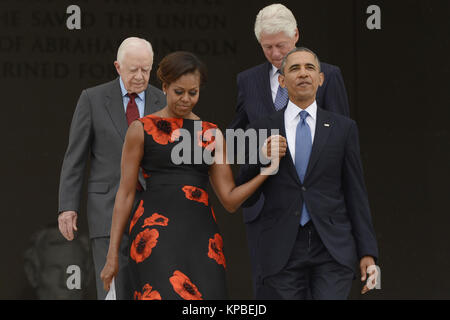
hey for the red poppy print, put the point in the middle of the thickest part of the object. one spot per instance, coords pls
(163, 130)
(147, 294)
(145, 174)
(214, 216)
(196, 194)
(216, 250)
(206, 138)
(156, 219)
(142, 245)
(184, 286)
(139, 212)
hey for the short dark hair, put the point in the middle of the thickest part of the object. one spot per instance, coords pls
(298, 49)
(179, 63)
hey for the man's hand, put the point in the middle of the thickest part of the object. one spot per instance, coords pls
(274, 147)
(365, 263)
(67, 223)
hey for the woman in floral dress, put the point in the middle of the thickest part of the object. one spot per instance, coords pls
(176, 250)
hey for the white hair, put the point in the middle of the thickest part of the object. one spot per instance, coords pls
(132, 42)
(274, 19)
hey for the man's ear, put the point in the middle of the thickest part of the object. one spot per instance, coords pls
(281, 81)
(297, 35)
(321, 78)
(117, 65)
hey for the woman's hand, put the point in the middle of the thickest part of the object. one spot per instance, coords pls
(132, 153)
(109, 271)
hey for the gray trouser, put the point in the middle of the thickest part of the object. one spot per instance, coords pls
(122, 281)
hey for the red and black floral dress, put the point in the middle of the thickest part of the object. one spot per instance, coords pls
(176, 251)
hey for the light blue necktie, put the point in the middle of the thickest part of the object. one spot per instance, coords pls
(303, 145)
(282, 97)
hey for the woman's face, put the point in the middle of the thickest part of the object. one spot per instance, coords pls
(182, 95)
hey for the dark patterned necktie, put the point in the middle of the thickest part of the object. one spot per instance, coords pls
(133, 114)
(132, 109)
(282, 97)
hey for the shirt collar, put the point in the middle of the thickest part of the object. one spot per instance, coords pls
(273, 72)
(125, 92)
(293, 111)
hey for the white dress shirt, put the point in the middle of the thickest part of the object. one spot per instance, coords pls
(291, 120)
(273, 76)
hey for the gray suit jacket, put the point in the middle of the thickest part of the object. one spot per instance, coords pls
(97, 134)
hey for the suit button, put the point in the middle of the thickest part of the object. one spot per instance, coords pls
(297, 213)
(303, 189)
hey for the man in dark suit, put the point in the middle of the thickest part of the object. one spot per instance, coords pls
(260, 95)
(315, 223)
(97, 133)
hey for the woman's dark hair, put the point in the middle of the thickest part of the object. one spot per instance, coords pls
(179, 63)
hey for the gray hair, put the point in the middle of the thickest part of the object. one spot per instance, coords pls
(298, 49)
(132, 42)
(273, 19)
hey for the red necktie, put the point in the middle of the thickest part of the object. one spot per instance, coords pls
(132, 109)
(133, 114)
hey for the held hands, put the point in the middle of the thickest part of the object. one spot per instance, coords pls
(274, 149)
(367, 265)
(67, 223)
(109, 271)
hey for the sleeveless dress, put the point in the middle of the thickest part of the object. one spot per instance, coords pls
(176, 251)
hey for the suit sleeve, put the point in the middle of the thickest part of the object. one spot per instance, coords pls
(75, 159)
(240, 120)
(335, 95)
(356, 197)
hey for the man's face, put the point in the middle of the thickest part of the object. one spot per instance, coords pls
(135, 69)
(302, 77)
(277, 46)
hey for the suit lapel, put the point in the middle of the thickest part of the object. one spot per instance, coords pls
(279, 120)
(115, 108)
(151, 101)
(114, 105)
(266, 90)
(320, 90)
(323, 129)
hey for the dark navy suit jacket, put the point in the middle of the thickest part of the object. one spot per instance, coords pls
(333, 191)
(255, 101)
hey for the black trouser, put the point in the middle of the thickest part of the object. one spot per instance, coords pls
(311, 273)
(122, 281)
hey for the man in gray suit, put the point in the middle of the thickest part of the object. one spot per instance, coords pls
(97, 132)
